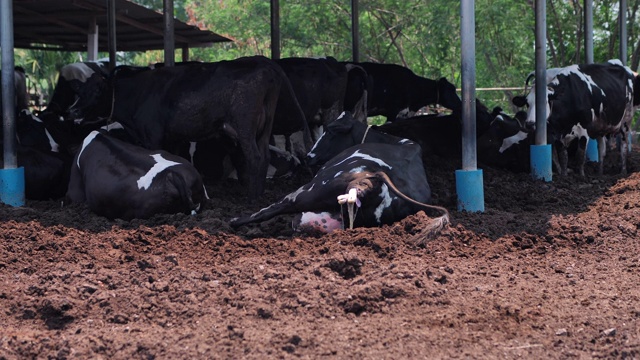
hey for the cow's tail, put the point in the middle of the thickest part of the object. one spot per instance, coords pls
(439, 214)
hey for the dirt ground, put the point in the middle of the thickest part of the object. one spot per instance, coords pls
(548, 271)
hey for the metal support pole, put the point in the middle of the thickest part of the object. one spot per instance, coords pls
(92, 40)
(622, 13)
(185, 53)
(275, 29)
(11, 176)
(112, 33)
(541, 151)
(469, 184)
(588, 31)
(169, 34)
(355, 38)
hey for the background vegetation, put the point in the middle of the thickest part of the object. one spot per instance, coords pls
(423, 35)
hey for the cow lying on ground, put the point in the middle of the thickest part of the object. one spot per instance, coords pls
(386, 182)
(597, 99)
(120, 180)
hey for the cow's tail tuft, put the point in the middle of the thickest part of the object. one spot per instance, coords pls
(439, 214)
(432, 230)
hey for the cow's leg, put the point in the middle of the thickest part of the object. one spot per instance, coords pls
(563, 159)
(602, 151)
(76, 191)
(624, 150)
(554, 158)
(582, 154)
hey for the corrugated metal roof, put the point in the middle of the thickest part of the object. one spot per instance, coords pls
(64, 25)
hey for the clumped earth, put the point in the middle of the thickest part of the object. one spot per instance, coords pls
(548, 271)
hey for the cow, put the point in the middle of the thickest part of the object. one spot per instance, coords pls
(232, 102)
(505, 144)
(395, 89)
(436, 135)
(589, 99)
(20, 88)
(82, 93)
(120, 180)
(386, 182)
(319, 85)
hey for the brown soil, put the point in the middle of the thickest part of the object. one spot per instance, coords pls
(548, 271)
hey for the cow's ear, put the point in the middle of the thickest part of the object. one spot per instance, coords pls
(496, 111)
(519, 101)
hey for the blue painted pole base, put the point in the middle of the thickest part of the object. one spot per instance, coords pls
(592, 150)
(12, 186)
(470, 190)
(541, 162)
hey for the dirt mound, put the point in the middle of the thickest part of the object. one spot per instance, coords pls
(549, 270)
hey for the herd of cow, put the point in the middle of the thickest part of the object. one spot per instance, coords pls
(137, 141)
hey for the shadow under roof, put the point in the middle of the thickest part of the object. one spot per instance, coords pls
(64, 25)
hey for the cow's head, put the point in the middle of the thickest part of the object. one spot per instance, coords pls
(447, 95)
(338, 135)
(504, 133)
(81, 94)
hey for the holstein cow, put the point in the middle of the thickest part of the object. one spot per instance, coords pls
(594, 98)
(395, 89)
(20, 89)
(231, 101)
(436, 135)
(82, 93)
(505, 144)
(319, 85)
(383, 182)
(120, 180)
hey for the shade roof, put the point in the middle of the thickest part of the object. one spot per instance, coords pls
(64, 25)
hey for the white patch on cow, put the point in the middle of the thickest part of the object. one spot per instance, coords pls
(338, 174)
(87, 140)
(192, 150)
(575, 70)
(577, 132)
(113, 126)
(161, 164)
(316, 131)
(311, 153)
(54, 145)
(341, 115)
(77, 71)
(205, 192)
(292, 197)
(405, 141)
(385, 203)
(359, 155)
(512, 140)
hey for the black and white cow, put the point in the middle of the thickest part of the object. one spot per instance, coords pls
(82, 93)
(505, 144)
(120, 180)
(232, 102)
(20, 90)
(383, 182)
(320, 85)
(436, 135)
(593, 99)
(395, 89)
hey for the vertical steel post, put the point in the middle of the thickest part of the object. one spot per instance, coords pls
(275, 29)
(92, 40)
(588, 31)
(11, 176)
(541, 151)
(111, 16)
(622, 13)
(169, 34)
(469, 183)
(355, 29)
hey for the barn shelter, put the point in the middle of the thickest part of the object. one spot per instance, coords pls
(76, 25)
(81, 25)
